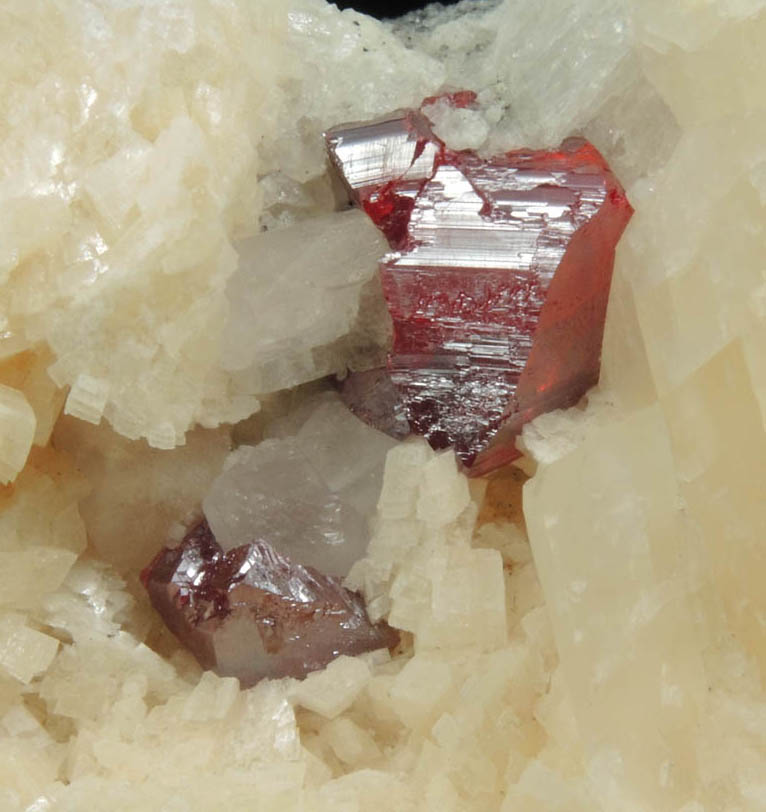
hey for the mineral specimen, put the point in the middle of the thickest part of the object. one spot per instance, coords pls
(252, 613)
(254, 590)
(498, 277)
(139, 144)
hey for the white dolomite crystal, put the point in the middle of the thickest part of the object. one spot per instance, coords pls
(421, 572)
(17, 431)
(170, 254)
(24, 652)
(87, 399)
(25, 369)
(332, 691)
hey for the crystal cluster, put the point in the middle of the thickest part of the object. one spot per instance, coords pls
(255, 590)
(252, 613)
(498, 277)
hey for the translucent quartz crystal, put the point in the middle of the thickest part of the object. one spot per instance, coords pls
(309, 494)
(295, 297)
(498, 277)
(252, 613)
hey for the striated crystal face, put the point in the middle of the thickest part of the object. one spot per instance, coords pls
(252, 613)
(497, 281)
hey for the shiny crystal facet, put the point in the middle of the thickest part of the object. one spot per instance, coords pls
(252, 613)
(497, 281)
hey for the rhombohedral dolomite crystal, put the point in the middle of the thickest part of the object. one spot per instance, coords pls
(252, 613)
(497, 281)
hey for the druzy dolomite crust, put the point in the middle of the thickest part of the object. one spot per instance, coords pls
(252, 613)
(497, 280)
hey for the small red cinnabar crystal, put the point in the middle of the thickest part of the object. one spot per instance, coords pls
(251, 613)
(497, 281)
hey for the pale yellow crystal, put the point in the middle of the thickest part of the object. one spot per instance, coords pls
(646, 514)
(212, 698)
(719, 446)
(634, 673)
(87, 398)
(24, 652)
(351, 744)
(17, 431)
(422, 571)
(421, 691)
(40, 515)
(333, 690)
(30, 574)
(26, 370)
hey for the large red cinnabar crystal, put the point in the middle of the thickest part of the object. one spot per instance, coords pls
(252, 613)
(497, 281)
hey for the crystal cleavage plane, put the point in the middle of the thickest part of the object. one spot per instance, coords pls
(497, 280)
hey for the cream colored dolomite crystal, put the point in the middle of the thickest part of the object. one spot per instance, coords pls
(17, 431)
(612, 660)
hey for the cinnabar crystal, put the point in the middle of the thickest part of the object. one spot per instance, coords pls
(252, 613)
(497, 281)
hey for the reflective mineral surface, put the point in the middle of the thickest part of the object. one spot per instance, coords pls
(498, 279)
(252, 613)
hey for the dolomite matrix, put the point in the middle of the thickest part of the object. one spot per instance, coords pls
(497, 281)
(607, 653)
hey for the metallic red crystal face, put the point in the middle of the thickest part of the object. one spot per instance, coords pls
(497, 281)
(252, 613)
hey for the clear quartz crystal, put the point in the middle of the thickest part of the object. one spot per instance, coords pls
(296, 297)
(309, 495)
